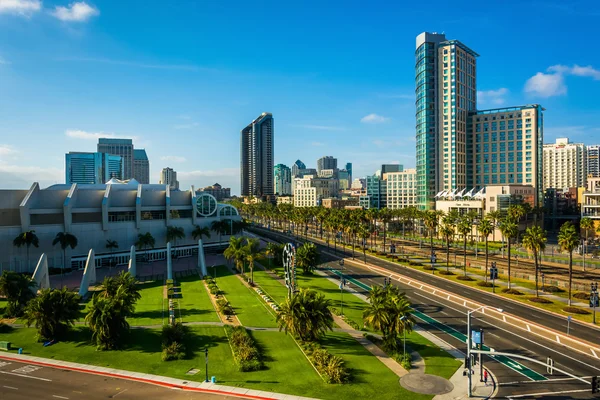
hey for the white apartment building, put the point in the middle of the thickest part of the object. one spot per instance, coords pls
(168, 176)
(401, 188)
(590, 201)
(309, 191)
(592, 158)
(564, 164)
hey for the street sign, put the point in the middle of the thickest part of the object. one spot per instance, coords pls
(476, 337)
(549, 365)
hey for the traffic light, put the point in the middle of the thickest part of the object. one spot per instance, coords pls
(468, 364)
(595, 384)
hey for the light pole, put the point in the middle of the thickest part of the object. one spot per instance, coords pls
(342, 286)
(469, 391)
(206, 359)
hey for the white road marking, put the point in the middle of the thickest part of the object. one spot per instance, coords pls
(60, 397)
(4, 364)
(10, 387)
(122, 391)
(26, 376)
(27, 369)
(547, 393)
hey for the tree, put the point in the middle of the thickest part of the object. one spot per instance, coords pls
(271, 251)
(112, 245)
(52, 313)
(107, 319)
(123, 285)
(485, 228)
(568, 239)
(364, 233)
(494, 217)
(306, 315)
(586, 224)
(307, 257)
(464, 228)
(145, 241)
(509, 230)
(235, 252)
(431, 223)
(198, 232)
(174, 233)
(65, 239)
(447, 232)
(18, 290)
(252, 252)
(221, 226)
(535, 240)
(28, 239)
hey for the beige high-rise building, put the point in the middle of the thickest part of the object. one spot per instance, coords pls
(309, 191)
(168, 176)
(401, 188)
(564, 164)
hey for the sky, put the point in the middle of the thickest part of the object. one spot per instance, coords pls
(182, 78)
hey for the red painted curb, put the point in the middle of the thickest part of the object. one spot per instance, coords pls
(132, 378)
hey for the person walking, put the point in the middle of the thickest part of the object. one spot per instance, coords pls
(485, 376)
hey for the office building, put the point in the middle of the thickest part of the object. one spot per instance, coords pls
(564, 164)
(256, 150)
(359, 184)
(141, 166)
(401, 190)
(326, 162)
(592, 158)
(385, 168)
(310, 191)
(168, 176)
(349, 169)
(376, 193)
(92, 168)
(344, 179)
(283, 180)
(217, 191)
(122, 148)
(117, 211)
(296, 167)
(327, 173)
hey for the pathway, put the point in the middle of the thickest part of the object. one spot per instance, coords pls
(232, 320)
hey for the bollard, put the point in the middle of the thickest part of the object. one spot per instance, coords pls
(20, 350)
(213, 379)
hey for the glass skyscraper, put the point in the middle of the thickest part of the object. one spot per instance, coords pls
(119, 147)
(256, 151)
(92, 168)
(283, 180)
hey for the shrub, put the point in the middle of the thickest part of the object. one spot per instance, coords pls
(552, 289)
(173, 333)
(174, 351)
(444, 272)
(512, 291)
(352, 324)
(245, 352)
(575, 310)
(334, 310)
(582, 295)
(329, 366)
(406, 361)
(5, 328)
(464, 278)
(540, 300)
(485, 284)
(224, 307)
(414, 263)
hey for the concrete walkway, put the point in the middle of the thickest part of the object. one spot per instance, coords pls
(192, 386)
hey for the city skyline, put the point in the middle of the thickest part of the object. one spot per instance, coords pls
(360, 111)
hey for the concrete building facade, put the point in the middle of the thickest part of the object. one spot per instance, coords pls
(256, 151)
(401, 188)
(219, 192)
(592, 158)
(310, 191)
(564, 164)
(326, 162)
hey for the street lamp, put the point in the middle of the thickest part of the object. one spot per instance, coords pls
(342, 286)
(469, 391)
(206, 359)
(594, 300)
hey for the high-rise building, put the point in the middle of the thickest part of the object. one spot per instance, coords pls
(385, 168)
(283, 180)
(349, 169)
(256, 151)
(122, 148)
(344, 179)
(92, 168)
(359, 184)
(401, 191)
(593, 161)
(310, 191)
(376, 196)
(141, 166)
(168, 176)
(564, 165)
(326, 162)
(217, 191)
(296, 167)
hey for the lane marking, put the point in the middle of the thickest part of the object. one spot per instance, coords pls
(26, 376)
(27, 369)
(10, 387)
(4, 364)
(60, 397)
(547, 393)
(122, 391)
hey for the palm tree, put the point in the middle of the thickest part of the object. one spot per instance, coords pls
(494, 217)
(271, 251)
(431, 223)
(364, 234)
(112, 245)
(586, 224)
(464, 228)
(65, 239)
(307, 257)
(235, 252)
(52, 312)
(145, 241)
(485, 227)
(123, 285)
(306, 315)
(174, 233)
(18, 290)
(568, 239)
(107, 319)
(447, 232)
(252, 252)
(535, 240)
(28, 239)
(198, 232)
(509, 230)
(220, 226)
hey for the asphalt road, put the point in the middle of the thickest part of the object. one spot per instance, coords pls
(24, 381)
(500, 336)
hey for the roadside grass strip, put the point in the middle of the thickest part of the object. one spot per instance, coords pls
(195, 305)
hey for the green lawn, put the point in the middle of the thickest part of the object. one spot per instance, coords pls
(149, 309)
(195, 305)
(250, 309)
(2, 307)
(437, 361)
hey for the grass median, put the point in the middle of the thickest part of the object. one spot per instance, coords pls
(195, 305)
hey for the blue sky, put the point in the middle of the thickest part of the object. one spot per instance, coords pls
(183, 77)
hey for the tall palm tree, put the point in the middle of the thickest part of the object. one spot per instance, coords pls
(509, 230)
(107, 319)
(535, 240)
(145, 241)
(271, 251)
(198, 232)
(112, 245)
(174, 233)
(28, 239)
(53, 312)
(221, 226)
(494, 217)
(447, 232)
(235, 252)
(385, 215)
(464, 228)
(307, 257)
(568, 239)
(306, 315)
(485, 227)
(431, 223)
(586, 224)
(65, 239)
(252, 252)
(18, 290)
(364, 234)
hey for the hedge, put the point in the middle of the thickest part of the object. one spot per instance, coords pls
(331, 367)
(245, 352)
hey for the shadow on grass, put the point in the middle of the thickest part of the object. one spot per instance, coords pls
(158, 314)
(186, 312)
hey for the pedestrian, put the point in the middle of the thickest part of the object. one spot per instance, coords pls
(485, 376)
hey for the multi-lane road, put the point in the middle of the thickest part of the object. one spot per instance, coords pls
(448, 321)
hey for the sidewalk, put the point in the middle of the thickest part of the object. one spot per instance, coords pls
(202, 387)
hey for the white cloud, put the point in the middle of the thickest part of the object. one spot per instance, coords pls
(187, 126)
(22, 176)
(576, 70)
(20, 7)
(6, 150)
(546, 85)
(75, 12)
(79, 134)
(321, 127)
(374, 119)
(492, 96)
(177, 159)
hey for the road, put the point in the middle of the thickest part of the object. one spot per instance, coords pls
(500, 336)
(25, 381)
